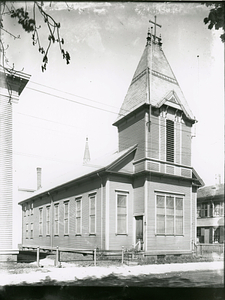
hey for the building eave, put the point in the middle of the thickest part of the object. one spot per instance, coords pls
(63, 186)
(77, 180)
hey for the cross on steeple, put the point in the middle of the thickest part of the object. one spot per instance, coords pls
(155, 24)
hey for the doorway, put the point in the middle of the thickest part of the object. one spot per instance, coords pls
(139, 231)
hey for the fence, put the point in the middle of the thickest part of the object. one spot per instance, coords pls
(209, 249)
(131, 256)
(79, 255)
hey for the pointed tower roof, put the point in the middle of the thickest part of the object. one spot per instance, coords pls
(153, 83)
(87, 156)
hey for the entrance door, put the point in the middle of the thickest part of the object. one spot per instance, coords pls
(139, 230)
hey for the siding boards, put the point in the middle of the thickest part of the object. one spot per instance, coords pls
(186, 145)
(79, 242)
(133, 132)
(153, 137)
(139, 198)
(116, 241)
(177, 142)
(168, 243)
(162, 129)
(6, 173)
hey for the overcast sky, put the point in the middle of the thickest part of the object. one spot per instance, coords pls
(105, 42)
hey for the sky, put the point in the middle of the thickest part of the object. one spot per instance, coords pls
(59, 108)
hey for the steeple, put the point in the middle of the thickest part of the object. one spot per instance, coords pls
(154, 114)
(153, 81)
(87, 156)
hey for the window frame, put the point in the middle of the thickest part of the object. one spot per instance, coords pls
(40, 221)
(170, 141)
(27, 230)
(204, 210)
(122, 193)
(66, 219)
(48, 220)
(78, 218)
(32, 208)
(24, 210)
(56, 221)
(175, 214)
(31, 230)
(90, 196)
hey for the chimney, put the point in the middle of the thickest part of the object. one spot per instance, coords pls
(87, 157)
(38, 178)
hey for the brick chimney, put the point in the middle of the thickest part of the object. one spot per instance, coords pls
(38, 178)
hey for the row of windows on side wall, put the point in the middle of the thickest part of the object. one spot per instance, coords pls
(169, 216)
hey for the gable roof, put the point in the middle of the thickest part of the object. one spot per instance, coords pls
(83, 172)
(153, 80)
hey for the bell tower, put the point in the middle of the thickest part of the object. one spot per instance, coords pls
(156, 116)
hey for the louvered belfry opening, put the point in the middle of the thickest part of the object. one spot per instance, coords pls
(169, 140)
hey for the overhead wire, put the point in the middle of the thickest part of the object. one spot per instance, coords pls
(91, 106)
(71, 94)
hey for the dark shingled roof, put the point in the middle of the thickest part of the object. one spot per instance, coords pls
(211, 191)
(162, 81)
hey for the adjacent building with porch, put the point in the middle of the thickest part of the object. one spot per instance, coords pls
(144, 193)
(210, 214)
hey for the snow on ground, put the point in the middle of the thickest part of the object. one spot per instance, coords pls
(71, 272)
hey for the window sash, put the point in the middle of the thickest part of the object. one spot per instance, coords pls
(27, 230)
(204, 210)
(78, 216)
(92, 214)
(48, 220)
(169, 214)
(32, 208)
(31, 230)
(66, 218)
(121, 218)
(56, 219)
(40, 221)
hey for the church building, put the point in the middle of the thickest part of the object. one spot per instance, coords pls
(146, 192)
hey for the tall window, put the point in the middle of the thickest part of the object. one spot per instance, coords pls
(32, 208)
(92, 214)
(56, 219)
(24, 210)
(31, 230)
(78, 216)
(66, 217)
(169, 214)
(121, 217)
(169, 140)
(204, 210)
(219, 209)
(28, 209)
(40, 221)
(27, 233)
(47, 220)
